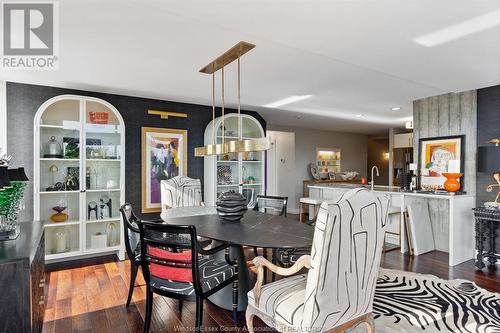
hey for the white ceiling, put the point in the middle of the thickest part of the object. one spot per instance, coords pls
(353, 56)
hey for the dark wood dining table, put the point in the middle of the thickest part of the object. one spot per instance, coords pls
(256, 229)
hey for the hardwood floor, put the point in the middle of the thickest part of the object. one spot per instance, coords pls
(91, 297)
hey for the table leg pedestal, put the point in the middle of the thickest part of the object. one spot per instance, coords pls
(224, 297)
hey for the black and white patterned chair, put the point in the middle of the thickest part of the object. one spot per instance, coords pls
(337, 292)
(180, 191)
(175, 265)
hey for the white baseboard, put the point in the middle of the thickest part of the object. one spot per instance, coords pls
(292, 210)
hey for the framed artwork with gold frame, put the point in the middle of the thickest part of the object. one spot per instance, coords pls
(164, 156)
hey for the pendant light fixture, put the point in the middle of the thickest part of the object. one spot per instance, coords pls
(234, 146)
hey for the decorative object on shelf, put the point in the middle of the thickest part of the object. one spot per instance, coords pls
(250, 180)
(489, 162)
(61, 240)
(59, 216)
(314, 171)
(363, 181)
(224, 175)
(349, 175)
(164, 156)
(438, 155)
(101, 118)
(98, 240)
(452, 184)
(53, 149)
(72, 181)
(92, 207)
(71, 147)
(331, 176)
(53, 170)
(234, 146)
(231, 206)
(113, 236)
(105, 207)
(166, 114)
(111, 184)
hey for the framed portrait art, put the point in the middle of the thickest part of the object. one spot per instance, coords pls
(164, 156)
(439, 155)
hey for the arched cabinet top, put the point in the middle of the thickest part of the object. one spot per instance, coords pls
(68, 107)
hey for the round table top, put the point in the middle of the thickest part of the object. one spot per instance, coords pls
(255, 228)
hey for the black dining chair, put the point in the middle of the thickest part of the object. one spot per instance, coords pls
(175, 265)
(132, 244)
(271, 205)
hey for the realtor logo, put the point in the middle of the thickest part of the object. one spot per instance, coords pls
(30, 35)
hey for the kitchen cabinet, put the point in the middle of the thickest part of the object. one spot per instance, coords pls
(403, 140)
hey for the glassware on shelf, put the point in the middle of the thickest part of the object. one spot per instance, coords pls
(53, 149)
(112, 231)
(61, 240)
(59, 215)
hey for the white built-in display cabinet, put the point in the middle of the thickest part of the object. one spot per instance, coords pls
(240, 172)
(79, 164)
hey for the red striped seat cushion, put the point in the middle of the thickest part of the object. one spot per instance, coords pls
(181, 274)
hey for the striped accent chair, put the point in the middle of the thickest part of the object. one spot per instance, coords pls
(336, 293)
(180, 191)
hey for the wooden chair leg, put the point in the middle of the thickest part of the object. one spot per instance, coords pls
(249, 317)
(370, 325)
(199, 313)
(133, 274)
(149, 310)
(235, 302)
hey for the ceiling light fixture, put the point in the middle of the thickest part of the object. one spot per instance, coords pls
(285, 101)
(234, 146)
(396, 108)
(460, 30)
(360, 115)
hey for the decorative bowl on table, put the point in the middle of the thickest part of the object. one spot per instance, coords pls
(231, 206)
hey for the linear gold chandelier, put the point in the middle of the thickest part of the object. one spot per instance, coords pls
(233, 146)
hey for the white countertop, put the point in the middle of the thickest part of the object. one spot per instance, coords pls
(389, 190)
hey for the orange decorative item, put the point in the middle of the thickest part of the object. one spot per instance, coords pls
(363, 181)
(98, 117)
(452, 184)
(59, 216)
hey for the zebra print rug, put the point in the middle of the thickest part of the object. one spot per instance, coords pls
(410, 302)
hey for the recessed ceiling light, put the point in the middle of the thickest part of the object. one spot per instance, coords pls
(396, 108)
(459, 30)
(288, 100)
(360, 115)
(299, 117)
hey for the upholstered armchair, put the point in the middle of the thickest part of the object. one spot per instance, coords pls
(337, 291)
(180, 191)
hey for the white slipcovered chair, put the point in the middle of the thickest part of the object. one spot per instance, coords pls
(337, 292)
(180, 191)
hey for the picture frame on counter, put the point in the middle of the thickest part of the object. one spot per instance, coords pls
(438, 155)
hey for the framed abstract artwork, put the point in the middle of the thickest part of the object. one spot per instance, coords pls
(439, 155)
(164, 156)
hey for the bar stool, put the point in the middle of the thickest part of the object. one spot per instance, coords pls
(394, 210)
(315, 202)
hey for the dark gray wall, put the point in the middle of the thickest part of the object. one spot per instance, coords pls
(488, 127)
(23, 101)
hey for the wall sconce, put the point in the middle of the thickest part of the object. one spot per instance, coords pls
(387, 155)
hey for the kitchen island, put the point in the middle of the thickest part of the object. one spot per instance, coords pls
(451, 216)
